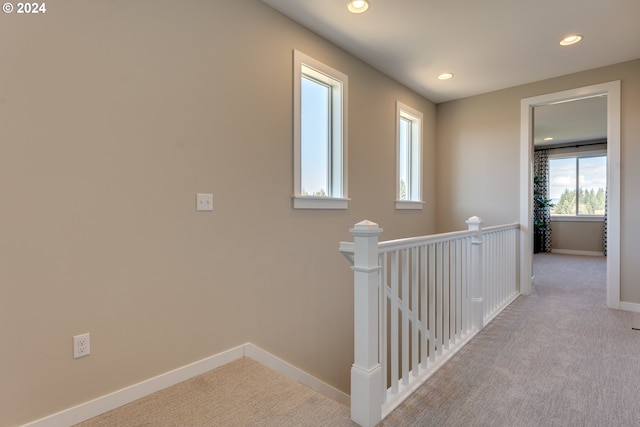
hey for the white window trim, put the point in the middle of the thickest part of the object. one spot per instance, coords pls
(409, 204)
(301, 201)
(574, 218)
(578, 153)
(416, 117)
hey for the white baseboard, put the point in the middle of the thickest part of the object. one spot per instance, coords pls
(288, 370)
(572, 252)
(126, 395)
(630, 306)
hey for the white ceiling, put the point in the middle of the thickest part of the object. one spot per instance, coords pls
(488, 44)
(582, 120)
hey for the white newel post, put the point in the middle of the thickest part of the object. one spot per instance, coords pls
(477, 292)
(366, 373)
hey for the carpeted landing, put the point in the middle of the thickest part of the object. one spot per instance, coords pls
(242, 393)
(558, 357)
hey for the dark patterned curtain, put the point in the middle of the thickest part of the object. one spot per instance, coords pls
(604, 226)
(541, 214)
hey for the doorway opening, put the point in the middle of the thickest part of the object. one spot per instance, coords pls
(612, 92)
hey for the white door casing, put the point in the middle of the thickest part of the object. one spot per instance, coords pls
(612, 90)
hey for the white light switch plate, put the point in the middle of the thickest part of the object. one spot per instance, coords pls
(204, 202)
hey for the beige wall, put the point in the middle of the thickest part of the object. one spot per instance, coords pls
(582, 236)
(478, 153)
(113, 115)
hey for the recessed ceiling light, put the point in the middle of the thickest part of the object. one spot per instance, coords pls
(358, 6)
(549, 138)
(569, 40)
(445, 76)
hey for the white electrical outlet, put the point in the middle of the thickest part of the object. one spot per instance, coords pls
(81, 345)
(204, 202)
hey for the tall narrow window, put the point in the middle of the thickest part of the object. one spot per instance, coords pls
(320, 105)
(578, 185)
(409, 157)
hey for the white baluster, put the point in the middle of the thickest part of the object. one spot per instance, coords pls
(415, 314)
(405, 316)
(432, 302)
(395, 340)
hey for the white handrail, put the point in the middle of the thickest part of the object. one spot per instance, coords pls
(417, 302)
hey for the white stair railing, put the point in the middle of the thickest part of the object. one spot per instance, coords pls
(417, 301)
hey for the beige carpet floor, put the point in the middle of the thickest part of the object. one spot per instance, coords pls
(242, 393)
(558, 357)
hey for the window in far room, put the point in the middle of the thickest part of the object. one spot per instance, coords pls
(578, 185)
(409, 157)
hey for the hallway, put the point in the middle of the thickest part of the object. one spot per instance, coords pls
(558, 357)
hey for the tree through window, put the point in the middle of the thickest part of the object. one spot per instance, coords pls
(578, 185)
